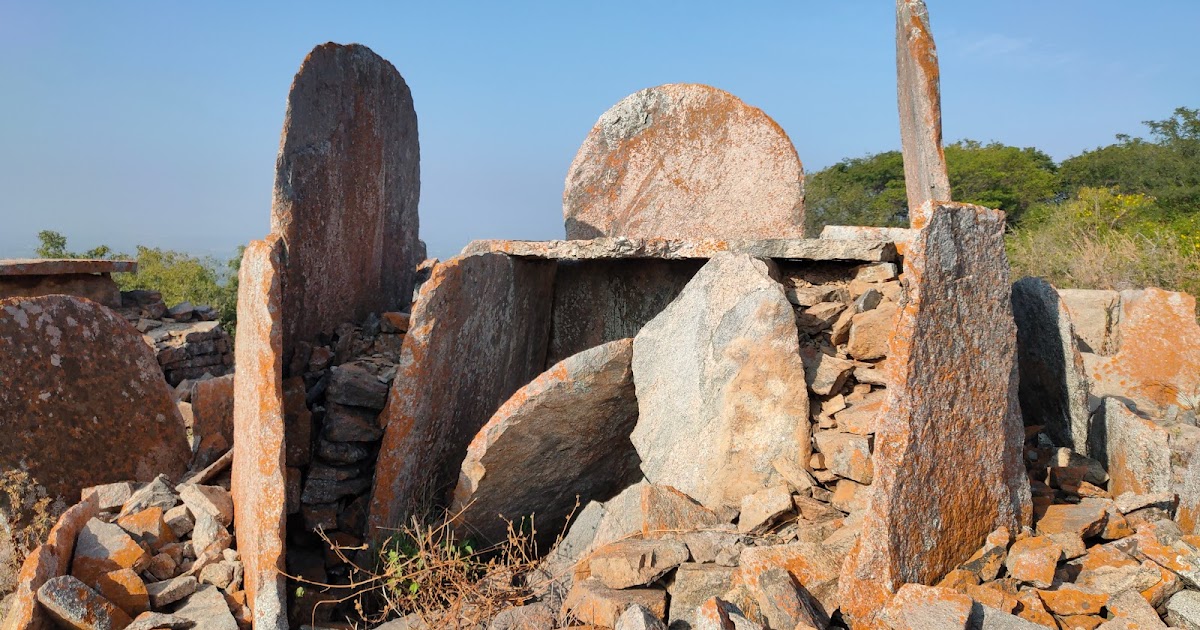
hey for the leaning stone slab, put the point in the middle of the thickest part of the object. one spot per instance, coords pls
(347, 181)
(1135, 450)
(1157, 363)
(82, 399)
(52, 559)
(560, 441)
(947, 458)
(258, 469)
(720, 385)
(918, 86)
(1054, 387)
(851, 249)
(685, 161)
(478, 333)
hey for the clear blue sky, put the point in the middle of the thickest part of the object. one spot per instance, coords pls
(158, 122)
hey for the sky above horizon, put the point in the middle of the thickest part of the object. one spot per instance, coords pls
(157, 123)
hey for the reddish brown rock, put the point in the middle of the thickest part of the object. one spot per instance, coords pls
(1033, 560)
(574, 421)
(212, 408)
(258, 470)
(1158, 361)
(347, 181)
(82, 399)
(591, 602)
(685, 161)
(478, 333)
(51, 559)
(809, 564)
(918, 85)
(103, 547)
(124, 589)
(947, 461)
(917, 607)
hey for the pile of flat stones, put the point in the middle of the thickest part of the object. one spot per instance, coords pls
(335, 392)
(154, 555)
(187, 339)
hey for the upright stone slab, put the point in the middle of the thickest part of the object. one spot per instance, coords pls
(478, 333)
(1135, 450)
(1157, 362)
(258, 461)
(1054, 387)
(560, 441)
(918, 86)
(347, 182)
(82, 399)
(685, 161)
(948, 446)
(720, 385)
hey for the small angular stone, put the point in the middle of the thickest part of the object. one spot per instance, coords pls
(632, 562)
(159, 621)
(148, 527)
(1085, 519)
(846, 454)
(212, 500)
(1073, 600)
(111, 496)
(354, 386)
(639, 618)
(124, 589)
(207, 608)
(170, 591)
(589, 601)
(693, 584)
(1033, 560)
(351, 424)
(1183, 610)
(869, 333)
(102, 547)
(762, 507)
(917, 607)
(157, 493)
(180, 520)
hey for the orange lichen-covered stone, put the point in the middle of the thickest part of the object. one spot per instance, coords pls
(83, 401)
(478, 332)
(918, 86)
(685, 161)
(347, 182)
(1158, 361)
(258, 467)
(947, 458)
(51, 559)
(917, 607)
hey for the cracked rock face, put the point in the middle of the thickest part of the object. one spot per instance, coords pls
(685, 161)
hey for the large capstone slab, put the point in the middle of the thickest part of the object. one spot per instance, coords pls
(347, 182)
(82, 399)
(685, 161)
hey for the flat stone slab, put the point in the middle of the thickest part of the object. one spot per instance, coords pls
(562, 437)
(63, 266)
(856, 250)
(685, 161)
(82, 399)
(948, 446)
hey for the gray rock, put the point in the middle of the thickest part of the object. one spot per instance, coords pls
(574, 421)
(170, 591)
(1094, 316)
(329, 490)
(720, 365)
(354, 386)
(102, 547)
(1183, 610)
(341, 452)
(207, 609)
(73, 605)
(157, 493)
(633, 562)
(351, 424)
(111, 496)
(159, 621)
(694, 584)
(1135, 450)
(991, 619)
(212, 500)
(637, 617)
(537, 616)
(1053, 387)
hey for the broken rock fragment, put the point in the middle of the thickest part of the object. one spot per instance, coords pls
(73, 605)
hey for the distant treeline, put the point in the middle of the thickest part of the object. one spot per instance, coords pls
(1121, 216)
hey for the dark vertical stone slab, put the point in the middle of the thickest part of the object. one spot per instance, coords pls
(479, 332)
(347, 182)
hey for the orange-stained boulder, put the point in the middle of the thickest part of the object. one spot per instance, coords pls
(258, 468)
(947, 458)
(212, 409)
(685, 161)
(478, 333)
(918, 86)
(83, 401)
(51, 559)
(347, 181)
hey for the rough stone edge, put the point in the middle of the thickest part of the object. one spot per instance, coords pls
(51, 559)
(820, 249)
(918, 89)
(63, 266)
(258, 421)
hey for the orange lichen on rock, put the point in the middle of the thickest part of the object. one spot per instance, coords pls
(258, 417)
(947, 458)
(51, 559)
(918, 83)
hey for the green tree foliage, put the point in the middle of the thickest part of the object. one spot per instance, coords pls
(1167, 167)
(999, 176)
(53, 245)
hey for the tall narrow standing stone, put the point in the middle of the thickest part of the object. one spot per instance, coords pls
(347, 182)
(947, 456)
(478, 333)
(258, 461)
(685, 161)
(918, 85)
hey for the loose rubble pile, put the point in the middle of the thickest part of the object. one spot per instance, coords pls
(187, 339)
(152, 555)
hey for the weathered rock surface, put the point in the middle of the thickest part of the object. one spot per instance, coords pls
(1157, 363)
(720, 385)
(685, 161)
(1053, 388)
(694, 584)
(347, 182)
(478, 333)
(635, 562)
(572, 423)
(1135, 450)
(918, 84)
(208, 610)
(51, 559)
(947, 461)
(917, 607)
(591, 602)
(73, 605)
(620, 247)
(258, 485)
(82, 400)
(1095, 314)
(212, 408)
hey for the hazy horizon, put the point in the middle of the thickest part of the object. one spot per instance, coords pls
(158, 124)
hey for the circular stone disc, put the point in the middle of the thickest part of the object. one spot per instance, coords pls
(685, 161)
